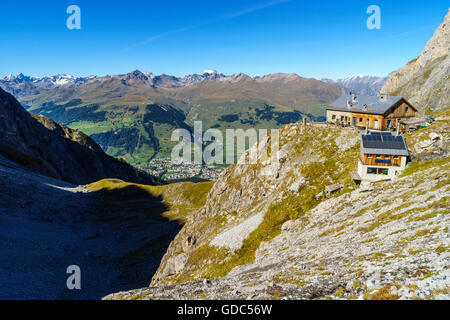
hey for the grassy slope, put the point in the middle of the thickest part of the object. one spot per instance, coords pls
(211, 262)
(399, 229)
(182, 199)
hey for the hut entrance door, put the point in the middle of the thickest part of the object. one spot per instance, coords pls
(375, 125)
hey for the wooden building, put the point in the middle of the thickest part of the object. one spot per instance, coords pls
(383, 156)
(380, 112)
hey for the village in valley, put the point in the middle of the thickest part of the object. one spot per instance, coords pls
(165, 169)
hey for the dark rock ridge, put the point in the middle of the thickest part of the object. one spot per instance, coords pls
(49, 148)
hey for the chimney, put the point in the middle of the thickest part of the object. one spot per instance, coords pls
(349, 103)
(398, 128)
(367, 126)
(354, 98)
(383, 95)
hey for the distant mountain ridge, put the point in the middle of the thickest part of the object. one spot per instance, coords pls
(362, 84)
(133, 115)
(23, 85)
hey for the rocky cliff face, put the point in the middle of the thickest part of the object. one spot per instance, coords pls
(425, 81)
(267, 230)
(250, 202)
(389, 243)
(430, 143)
(45, 146)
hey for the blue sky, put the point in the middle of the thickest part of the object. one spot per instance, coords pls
(320, 39)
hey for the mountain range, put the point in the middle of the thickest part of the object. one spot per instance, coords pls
(362, 84)
(22, 85)
(133, 115)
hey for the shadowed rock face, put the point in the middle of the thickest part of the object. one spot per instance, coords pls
(49, 148)
(47, 225)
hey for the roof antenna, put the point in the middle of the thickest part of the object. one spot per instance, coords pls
(383, 95)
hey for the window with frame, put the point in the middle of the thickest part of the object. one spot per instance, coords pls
(378, 171)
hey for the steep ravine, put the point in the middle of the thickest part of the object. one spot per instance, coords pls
(47, 225)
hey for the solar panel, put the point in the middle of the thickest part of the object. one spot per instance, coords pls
(383, 140)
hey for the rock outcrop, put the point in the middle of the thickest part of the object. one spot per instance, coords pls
(390, 244)
(390, 241)
(384, 241)
(425, 81)
(249, 202)
(430, 143)
(49, 148)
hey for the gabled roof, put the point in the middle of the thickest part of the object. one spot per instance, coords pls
(386, 143)
(367, 104)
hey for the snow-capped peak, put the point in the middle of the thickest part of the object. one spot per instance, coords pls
(363, 84)
(208, 72)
